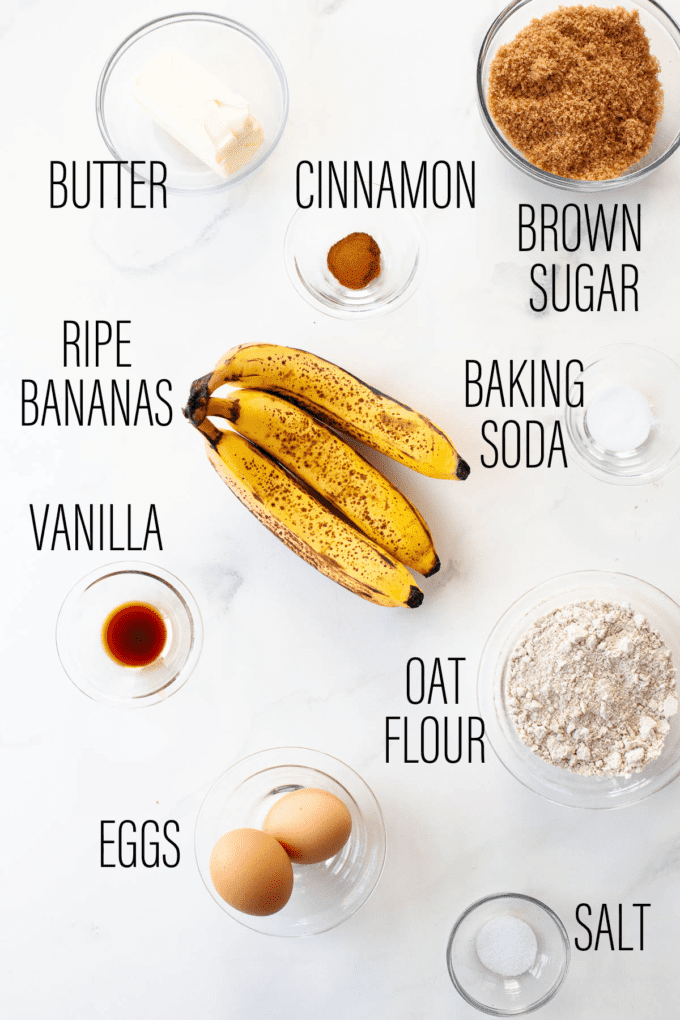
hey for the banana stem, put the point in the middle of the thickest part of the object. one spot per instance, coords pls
(198, 407)
(222, 407)
(197, 404)
(210, 431)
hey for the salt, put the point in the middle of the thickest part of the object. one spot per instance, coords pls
(507, 946)
(619, 419)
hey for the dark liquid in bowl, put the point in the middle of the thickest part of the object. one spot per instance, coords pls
(134, 634)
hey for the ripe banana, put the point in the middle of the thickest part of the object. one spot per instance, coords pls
(337, 398)
(306, 525)
(335, 470)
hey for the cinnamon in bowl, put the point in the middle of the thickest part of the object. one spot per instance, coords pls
(354, 261)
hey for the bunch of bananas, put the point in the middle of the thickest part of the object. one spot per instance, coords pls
(287, 463)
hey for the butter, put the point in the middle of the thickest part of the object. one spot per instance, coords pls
(199, 111)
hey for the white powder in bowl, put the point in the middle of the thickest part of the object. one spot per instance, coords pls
(619, 419)
(507, 946)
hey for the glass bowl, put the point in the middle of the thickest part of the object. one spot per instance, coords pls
(508, 996)
(81, 648)
(550, 781)
(657, 378)
(664, 40)
(233, 52)
(400, 237)
(324, 894)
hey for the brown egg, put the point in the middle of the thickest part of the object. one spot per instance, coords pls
(311, 825)
(251, 871)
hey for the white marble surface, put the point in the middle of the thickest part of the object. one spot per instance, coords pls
(290, 658)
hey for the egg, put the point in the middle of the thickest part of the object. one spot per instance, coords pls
(251, 871)
(311, 825)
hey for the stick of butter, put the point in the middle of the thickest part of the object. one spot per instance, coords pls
(197, 109)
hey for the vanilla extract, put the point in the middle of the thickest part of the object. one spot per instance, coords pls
(134, 634)
(95, 402)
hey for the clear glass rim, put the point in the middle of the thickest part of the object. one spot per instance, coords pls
(190, 606)
(565, 183)
(490, 1010)
(484, 675)
(151, 26)
(324, 758)
(600, 471)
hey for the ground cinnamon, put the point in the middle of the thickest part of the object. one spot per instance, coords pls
(577, 92)
(354, 261)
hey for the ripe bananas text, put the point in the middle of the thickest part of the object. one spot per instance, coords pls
(95, 401)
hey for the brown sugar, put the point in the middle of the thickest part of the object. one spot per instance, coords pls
(354, 261)
(577, 92)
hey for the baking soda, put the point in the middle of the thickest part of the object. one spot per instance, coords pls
(619, 419)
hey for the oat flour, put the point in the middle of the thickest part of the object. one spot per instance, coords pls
(591, 687)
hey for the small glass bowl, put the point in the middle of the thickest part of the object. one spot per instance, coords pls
(244, 61)
(664, 42)
(400, 237)
(81, 648)
(508, 996)
(324, 894)
(657, 378)
(550, 781)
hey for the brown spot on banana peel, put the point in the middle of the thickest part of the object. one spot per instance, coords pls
(223, 367)
(221, 375)
(462, 469)
(256, 506)
(331, 422)
(230, 409)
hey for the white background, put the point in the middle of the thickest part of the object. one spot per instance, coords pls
(289, 658)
